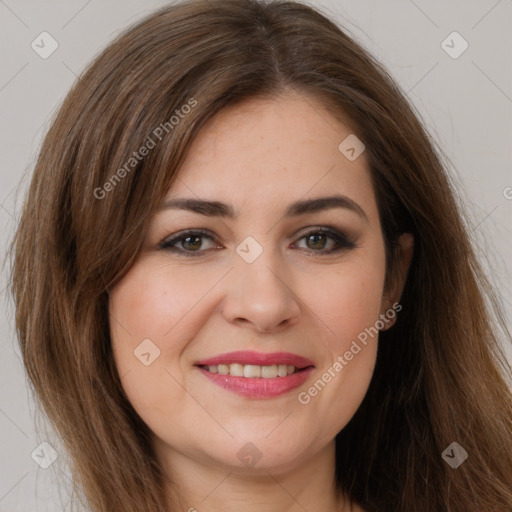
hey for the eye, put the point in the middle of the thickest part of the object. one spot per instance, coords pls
(316, 241)
(191, 242)
(319, 241)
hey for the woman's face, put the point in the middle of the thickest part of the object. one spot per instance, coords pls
(282, 281)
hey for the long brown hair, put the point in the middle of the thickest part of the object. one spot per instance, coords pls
(440, 377)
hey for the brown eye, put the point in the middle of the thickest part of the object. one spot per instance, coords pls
(188, 243)
(191, 242)
(321, 241)
(316, 241)
(324, 241)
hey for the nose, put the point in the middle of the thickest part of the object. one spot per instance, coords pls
(261, 295)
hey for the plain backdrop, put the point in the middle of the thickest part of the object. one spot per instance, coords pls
(465, 103)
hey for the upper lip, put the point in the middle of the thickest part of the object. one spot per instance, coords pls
(257, 358)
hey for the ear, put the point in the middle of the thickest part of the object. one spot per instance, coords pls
(404, 253)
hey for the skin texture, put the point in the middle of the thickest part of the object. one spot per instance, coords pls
(258, 157)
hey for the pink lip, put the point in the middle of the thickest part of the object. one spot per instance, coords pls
(258, 387)
(258, 358)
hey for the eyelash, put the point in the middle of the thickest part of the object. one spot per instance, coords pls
(342, 241)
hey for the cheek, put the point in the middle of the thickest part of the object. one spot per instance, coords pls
(348, 302)
(349, 299)
(151, 321)
(150, 300)
(159, 302)
(343, 378)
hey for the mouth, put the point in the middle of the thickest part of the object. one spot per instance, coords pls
(250, 371)
(257, 375)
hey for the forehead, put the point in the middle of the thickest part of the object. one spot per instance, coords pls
(276, 148)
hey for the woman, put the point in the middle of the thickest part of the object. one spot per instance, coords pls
(242, 280)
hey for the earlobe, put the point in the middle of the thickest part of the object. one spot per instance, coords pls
(404, 254)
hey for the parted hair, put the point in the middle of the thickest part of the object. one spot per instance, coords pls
(441, 375)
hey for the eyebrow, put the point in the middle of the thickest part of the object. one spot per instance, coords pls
(305, 206)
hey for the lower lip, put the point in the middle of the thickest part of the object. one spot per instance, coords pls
(259, 387)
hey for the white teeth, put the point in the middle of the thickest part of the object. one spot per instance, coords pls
(269, 372)
(282, 370)
(237, 370)
(252, 370)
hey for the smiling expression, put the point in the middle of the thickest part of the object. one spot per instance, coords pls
(269, 242)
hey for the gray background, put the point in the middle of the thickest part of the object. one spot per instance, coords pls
(465, 103)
